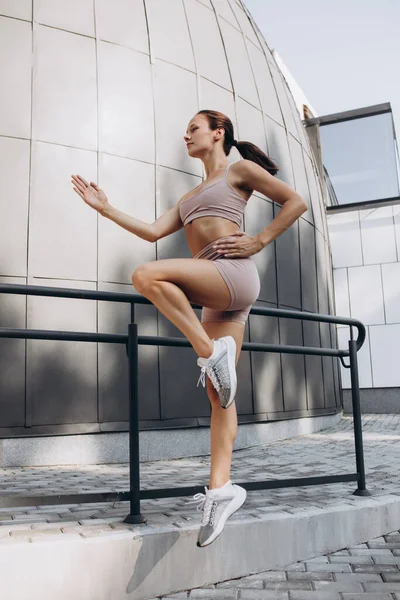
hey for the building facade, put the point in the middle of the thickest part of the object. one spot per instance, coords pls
(107, 93)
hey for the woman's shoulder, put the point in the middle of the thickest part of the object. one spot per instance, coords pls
(241, 172)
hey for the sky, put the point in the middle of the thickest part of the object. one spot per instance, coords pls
(344, 54)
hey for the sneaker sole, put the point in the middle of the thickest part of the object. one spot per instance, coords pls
(230, 509)
(231, 346)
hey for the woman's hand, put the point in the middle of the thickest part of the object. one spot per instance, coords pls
(91, 194)
(238, 245)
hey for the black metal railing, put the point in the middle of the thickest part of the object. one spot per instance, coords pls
(132, 340)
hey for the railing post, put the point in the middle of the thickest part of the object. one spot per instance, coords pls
(355, 396)
(134, 466)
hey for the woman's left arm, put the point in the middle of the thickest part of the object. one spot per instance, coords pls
(253, 177)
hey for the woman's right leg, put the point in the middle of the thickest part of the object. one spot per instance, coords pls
(171, 285)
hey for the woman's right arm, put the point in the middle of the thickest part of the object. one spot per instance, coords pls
(167, 223)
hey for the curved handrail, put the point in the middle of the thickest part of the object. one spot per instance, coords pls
(132, 299)
(132, 340)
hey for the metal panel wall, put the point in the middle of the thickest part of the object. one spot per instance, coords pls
(109, 96)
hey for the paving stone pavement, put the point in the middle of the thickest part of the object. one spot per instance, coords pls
(369, 571)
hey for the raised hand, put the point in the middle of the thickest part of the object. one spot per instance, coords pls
(90, 193)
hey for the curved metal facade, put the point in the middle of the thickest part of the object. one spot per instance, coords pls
(108, 93)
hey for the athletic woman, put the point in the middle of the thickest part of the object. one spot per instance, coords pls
(220, 276)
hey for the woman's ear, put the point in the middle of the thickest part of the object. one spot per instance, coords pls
(220, 132)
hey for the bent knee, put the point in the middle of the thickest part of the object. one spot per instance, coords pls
(141, 277)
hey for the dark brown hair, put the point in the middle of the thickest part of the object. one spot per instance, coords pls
(246, 149)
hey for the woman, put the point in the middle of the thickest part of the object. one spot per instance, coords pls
(222, 278)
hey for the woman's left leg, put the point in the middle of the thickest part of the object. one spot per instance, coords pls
(222, 498)
(223, 428)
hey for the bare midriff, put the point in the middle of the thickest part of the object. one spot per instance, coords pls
(204, 230)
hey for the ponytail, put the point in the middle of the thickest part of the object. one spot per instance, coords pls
(247, 150)
(252, 152)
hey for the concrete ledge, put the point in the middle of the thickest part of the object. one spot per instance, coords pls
(106, 448)
(375, 401)
(145, 563)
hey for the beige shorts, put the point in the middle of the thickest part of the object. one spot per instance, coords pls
(241, 277)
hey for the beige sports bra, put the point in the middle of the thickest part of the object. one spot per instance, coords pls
(219, 199)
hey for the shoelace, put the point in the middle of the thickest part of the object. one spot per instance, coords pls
(202, 377)
(205, 503)
(212, 375)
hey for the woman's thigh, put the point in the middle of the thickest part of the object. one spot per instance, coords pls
(199, 279)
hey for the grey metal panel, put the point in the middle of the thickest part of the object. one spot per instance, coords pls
(259, 213)
(317, 208)
(61, 376)
(288, 266)
(64, 67)
(264, 46)
(61, 15)
(206, 3)
(322, 274)
(327, 362)
(297, 117)
(337, 383)
(309, 292)
(19, 10)
(12, 359)
(293, 366)
(239, 64)
(300, 178)
(333, 338)
(283, 93)
(126, 26)
(331, 292)
(14, 193)
(179, 373)
(266, 368)
(174, 246)
(126, 107)
(245, 25)
(278, 150)
(63, 229)
(251, 124)
(16, 76)
(176, 102)
(211, 94)
(113, 360)
(314, 374)
(265, 86)
(223, 9)
(323, 307)
(169, 34)
(330, 396)
(325, 328)
(119, 251)
(210, 56)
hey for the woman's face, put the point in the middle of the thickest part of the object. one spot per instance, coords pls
(199, 137)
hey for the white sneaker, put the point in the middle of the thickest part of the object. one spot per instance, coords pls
(217, 506)
(221, 369)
